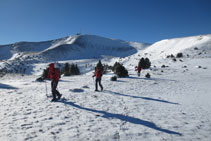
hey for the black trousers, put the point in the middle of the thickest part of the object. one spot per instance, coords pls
(54, 85)
(98, 81)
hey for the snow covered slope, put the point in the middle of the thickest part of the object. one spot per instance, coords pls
(167, 47)
(173, 105)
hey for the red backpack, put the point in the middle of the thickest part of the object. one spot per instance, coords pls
(53, 73)
(98, 73)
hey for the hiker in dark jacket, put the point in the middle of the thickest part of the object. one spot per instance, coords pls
(54, 76)
(98, 74)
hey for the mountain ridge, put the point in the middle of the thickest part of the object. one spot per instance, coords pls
(82, 47)
(75, 42)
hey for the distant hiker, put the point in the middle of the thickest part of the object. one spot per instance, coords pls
(138, 69)
(98, 74)
(53, 74)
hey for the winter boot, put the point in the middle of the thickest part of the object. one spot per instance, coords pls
(53, 100)
(59, 96)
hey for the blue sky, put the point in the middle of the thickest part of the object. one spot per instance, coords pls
(133, 20)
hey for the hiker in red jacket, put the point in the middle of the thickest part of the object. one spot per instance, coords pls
(138, 69)
(53, 74)
(98, 74)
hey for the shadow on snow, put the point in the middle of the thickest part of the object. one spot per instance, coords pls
(5, 86)
(124, 118)
(155, 79)
(145, 98)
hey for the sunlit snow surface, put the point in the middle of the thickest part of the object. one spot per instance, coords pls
(174, 104)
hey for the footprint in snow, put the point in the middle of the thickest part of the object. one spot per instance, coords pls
(77, 90)
(86, 87)
(19, 92)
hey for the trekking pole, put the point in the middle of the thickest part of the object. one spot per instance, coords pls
(46, 89)
(93, 80)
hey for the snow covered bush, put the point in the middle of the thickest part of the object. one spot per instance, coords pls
(174, 59)
(147, 75)
(113, 78)
(170, 56)
(179, 55)
(120, 70)
(144, 63)
(195, 48)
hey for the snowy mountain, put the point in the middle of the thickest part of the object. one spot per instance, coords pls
(172, 105)
(88, 47)
(72, 47)
(69, 48)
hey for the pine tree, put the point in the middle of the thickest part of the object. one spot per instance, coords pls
(99, 65)
(141, 63)
(115, 66)
(144, 63)
(45, 73)
(66, 70)
(74, 70)
(147, 63)
(120, 70)
(77, 70)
